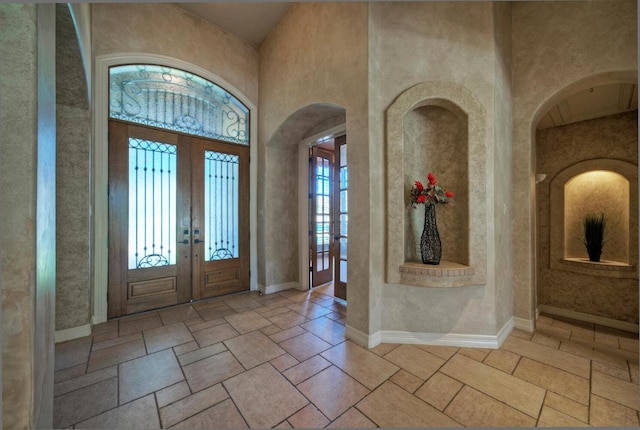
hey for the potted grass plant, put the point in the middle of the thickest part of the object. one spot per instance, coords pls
(594, 227)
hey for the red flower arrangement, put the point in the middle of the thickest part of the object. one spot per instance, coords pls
(432, 193)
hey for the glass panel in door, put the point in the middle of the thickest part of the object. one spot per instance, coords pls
(342, 217)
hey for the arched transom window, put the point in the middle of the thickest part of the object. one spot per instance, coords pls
(177, 100)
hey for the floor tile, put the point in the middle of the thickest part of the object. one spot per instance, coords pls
(211, 370)
(85, 403)
(284, 362)
(191, 405)
(604, 338)
(147, 374)
(215, 334)
(216, 312)
(139, 414)
(557, 332)
(171, 394)
(444, 352)
(478, 354)
(633, 371)
(502, 360)
(167, 336)
(559, 359)
(352, 419)
(72, 353)
(253, 348)
(178, 314)
(277, 302)
(523, 334)
(472, 408)
(384, 348)
(247, 321)
(550, 417)
(415, 360)
(605, 413)
(241, 303)
(391, 406)
(546, 340)
(439, 390)
(85, 380)
(69, 373)
(611, 370)
(288, 320)
(115, 341)
(309, 310)
(564, 383)
(206, 324)
(286, 334)
(308, 417)
(406, 380)
(304, 346)
(104, 328)
(568, 406)
(186, 347)
(115, 354)
(362, 365)
(199, 354)
(138, 323)
(271, 329)
(616, 390)
(515, 392)
(588, 353)
(306, 369)
(264, 397)
(333, 391)
(628, 344)
(326, 329)
(222, 415)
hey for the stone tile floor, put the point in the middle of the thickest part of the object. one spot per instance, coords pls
(282, 360)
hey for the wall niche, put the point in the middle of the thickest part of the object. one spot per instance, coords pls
(436, 140)
(437, 127)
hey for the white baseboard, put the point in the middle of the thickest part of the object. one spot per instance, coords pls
(270, 289)
(72, 333)
(594, 319)
(524, 324)
(448, 339)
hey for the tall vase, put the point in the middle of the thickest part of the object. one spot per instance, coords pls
(430, 245)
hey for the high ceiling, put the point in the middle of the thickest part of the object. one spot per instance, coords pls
(250, 21)
(254, 21)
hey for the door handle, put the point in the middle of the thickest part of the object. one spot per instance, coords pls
(197, 241)
(186, 241)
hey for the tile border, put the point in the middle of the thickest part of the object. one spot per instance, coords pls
(595, 319)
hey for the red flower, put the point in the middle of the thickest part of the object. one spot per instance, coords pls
(419, 186)
(449, 194)
(432, 179)
(421, 198)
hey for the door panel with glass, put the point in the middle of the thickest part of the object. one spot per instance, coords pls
(178, 218)
(321, 223)
(341, 182)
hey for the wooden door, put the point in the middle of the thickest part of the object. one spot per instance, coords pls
(178, 218)
(321, 222)
(220, 196)
(149, 219)
(341, 216)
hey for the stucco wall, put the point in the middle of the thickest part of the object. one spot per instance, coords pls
(316, 55)
(27, 210)
(558, 47)
(614, 137)
(455, 43)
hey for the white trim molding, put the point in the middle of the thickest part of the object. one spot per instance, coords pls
(276, 288)
(439, 339)
(72, 333)
(101, 165)
(524, 324)
(594, 319)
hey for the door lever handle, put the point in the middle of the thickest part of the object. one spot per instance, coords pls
(196, 241)
(186, 241)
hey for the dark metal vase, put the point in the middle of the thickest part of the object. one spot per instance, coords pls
(430, 245)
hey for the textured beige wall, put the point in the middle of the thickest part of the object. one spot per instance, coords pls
(27, 202)
(73, 235)
(557, 149)
(166, 29)
(558, 47)
(457, 43)
(316, 55)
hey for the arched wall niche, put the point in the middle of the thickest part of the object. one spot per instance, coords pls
(600, 185)
(437, 127)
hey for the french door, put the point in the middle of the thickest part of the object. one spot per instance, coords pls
(178, 218)
(321, 222)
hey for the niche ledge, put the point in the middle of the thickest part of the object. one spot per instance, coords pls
(606, 268)
(444, 275)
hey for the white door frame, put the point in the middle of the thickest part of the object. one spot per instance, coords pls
(101, 166)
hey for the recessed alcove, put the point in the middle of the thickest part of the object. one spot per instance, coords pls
(594, 186)
(437, 127)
